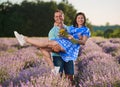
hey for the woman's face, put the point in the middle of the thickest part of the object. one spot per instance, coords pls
(80, 20)
(58, 17)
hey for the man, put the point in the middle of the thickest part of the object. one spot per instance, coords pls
(67, 67)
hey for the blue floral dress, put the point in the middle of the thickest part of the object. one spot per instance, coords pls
(71, 49)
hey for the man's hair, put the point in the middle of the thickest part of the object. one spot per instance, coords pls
(58, 10)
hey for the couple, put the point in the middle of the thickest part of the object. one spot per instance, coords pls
(65, 52)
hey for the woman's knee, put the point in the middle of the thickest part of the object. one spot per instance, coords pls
(52, 43)
(55, 46)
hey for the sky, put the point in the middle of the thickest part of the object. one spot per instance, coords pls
(99, 12)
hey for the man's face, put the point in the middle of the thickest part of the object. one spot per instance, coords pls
(58, 17)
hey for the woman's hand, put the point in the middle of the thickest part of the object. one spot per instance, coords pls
(80, 36)
(70, 37)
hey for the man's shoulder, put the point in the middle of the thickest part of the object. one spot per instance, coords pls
(54, 28)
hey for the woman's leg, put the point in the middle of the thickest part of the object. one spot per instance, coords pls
(47, 56)
(44, 43)
(40, 43)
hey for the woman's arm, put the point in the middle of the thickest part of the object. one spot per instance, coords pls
(81, 41)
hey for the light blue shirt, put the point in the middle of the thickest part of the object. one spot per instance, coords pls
(54, 34)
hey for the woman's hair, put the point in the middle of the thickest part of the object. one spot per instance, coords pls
(74, 21)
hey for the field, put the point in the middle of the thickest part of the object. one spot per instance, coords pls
(98, 65)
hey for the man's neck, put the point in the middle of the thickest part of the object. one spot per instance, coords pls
(61, 25)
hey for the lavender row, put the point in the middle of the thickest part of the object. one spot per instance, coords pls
(25, 67)
(95, 66)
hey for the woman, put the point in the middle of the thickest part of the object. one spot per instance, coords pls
(67, 49)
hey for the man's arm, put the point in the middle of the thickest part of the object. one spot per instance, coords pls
(51, 34)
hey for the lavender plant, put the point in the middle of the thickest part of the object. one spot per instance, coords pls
(96, 68)
(4, 75)
(25, 66)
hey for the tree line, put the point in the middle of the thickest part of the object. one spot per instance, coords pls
(31, 18)
(112, 31)
(35, 18)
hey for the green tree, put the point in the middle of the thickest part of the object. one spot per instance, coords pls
(32, 18)
(89, 25)
(108, 33)
(116, 33)
(4, 15)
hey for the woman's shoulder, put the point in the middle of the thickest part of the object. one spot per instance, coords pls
(71, 27)
(85, 27)
(87, 31)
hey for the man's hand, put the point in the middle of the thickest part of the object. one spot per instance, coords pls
(55, 46)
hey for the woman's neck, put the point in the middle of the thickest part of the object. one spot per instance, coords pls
(79, 26)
